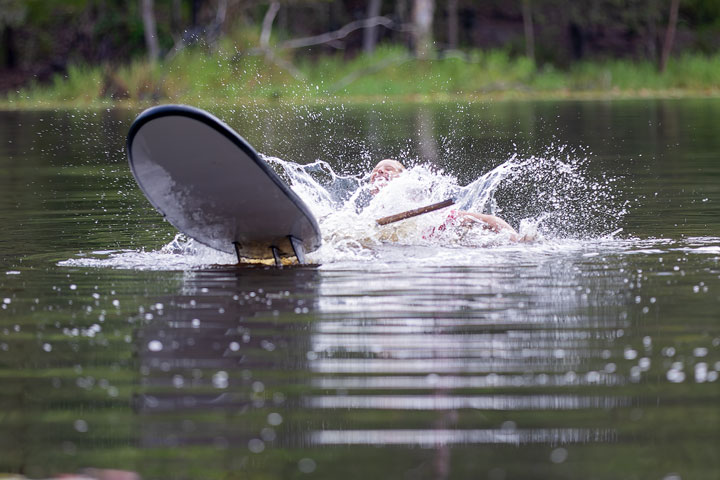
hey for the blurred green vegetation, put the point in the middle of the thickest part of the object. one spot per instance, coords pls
(96, 53)
(227, 76)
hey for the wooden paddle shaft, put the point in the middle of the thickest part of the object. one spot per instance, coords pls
(414, 213)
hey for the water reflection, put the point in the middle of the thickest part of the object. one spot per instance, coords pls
(208, 354)
(248, 368)
(568, 359)
(252, 361)
(243, 367)
(490, 343)
(427, 139)
(487, 402)
(431, 438)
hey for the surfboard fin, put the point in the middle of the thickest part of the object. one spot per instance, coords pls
(237, 251)
(298, 248)
(276, 256)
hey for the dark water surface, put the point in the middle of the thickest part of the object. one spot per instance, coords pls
(573, 358)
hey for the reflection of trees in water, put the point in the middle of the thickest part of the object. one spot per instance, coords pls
(440, 365)
(426, 135)
(481, 360)
(213, 364)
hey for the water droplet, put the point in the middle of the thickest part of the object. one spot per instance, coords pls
(81, 426)
(274, 419)
(675, 376)
(508, 425)
(220, 379)
(644, 364)
(700, 352)
(267, 434)
(701, 372)
(69, 448)
(256, 445)
(307, 465)
(559, 455)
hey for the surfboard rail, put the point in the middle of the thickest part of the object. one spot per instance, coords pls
(211, 184)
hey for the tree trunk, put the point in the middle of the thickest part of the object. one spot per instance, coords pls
(176, 17)
(669, 34)
(194, 10)
(151, 40)
(529, 29)
(401, 17)
(422, 17)
(267, 24)
(370, 34)
(221, 13)
(651, 37)
(8, 37)
(577, 40)
(452, 13)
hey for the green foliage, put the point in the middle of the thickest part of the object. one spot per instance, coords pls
(48, 35)
(692, 72)
(80, 86)
(229, 75)
(702, 12)
(12, 13)
(43, 12)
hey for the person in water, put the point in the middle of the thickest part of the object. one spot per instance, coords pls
(388, 169)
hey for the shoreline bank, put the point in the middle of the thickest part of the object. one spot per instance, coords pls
(491, 97)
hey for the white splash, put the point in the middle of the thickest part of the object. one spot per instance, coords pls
(547, 199)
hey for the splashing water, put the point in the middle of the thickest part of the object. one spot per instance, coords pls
(554, 193)
(546, 198)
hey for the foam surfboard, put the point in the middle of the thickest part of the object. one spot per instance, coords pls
(210, 184)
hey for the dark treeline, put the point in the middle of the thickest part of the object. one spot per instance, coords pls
(42, 37)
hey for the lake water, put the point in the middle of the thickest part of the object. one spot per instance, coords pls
(591, 353)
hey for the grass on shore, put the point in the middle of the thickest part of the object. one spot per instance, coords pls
(228, 75)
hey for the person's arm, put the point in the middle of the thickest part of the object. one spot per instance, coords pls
(490, 222)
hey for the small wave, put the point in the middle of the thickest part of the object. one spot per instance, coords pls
(180, 254)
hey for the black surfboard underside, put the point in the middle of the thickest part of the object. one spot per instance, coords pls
(210, 184)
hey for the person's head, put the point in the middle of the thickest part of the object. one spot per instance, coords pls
(385, 171)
